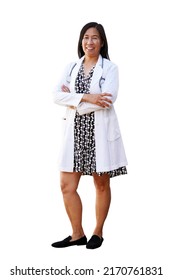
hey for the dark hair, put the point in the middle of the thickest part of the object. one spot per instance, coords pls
(100, 29)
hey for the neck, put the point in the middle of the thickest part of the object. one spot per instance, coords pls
(90, 60)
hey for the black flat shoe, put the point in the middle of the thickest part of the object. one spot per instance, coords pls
(94, 242)
(66, 242)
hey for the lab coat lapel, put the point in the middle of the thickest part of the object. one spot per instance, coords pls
(74, 73)
(94, 87)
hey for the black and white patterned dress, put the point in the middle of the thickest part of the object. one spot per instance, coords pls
(84, 134)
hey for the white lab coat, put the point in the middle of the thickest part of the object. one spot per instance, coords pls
(110, 153)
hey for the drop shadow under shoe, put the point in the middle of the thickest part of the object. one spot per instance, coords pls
(95, 242)
(66, 242)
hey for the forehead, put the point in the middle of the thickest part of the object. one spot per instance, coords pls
(92, 31)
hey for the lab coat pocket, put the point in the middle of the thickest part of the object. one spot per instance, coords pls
(113, 131)
(63, 125)
(113, 134)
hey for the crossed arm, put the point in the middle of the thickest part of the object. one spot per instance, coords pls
(100, 99)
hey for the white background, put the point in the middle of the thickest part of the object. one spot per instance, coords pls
(38, 38)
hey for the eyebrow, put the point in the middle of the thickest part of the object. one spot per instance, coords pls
(94, 35)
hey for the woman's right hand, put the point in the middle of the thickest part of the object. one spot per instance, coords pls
(65, 88)
(99, 99)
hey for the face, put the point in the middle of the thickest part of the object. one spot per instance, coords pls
(91, 42)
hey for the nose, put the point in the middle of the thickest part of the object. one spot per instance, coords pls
(90, 41)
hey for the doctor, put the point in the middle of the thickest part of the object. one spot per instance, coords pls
(92, 142)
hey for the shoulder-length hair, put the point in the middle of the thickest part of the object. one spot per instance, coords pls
(100, 29)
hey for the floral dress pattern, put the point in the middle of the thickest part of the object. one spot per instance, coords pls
(84, 134)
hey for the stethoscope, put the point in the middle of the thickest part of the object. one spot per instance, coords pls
(101, 81)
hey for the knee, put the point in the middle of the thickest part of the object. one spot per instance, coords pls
(101, 184)
(69, 182)
(101, 187)
(66, 188)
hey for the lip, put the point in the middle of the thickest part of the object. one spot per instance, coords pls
(90, 49)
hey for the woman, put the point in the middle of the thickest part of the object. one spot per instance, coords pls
(92, 143)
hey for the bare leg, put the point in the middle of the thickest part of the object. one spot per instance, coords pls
(72, 202)
(103, 199)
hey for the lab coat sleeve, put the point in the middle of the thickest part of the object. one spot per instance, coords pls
(66, 98)
(86, 108)
(109, 85)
